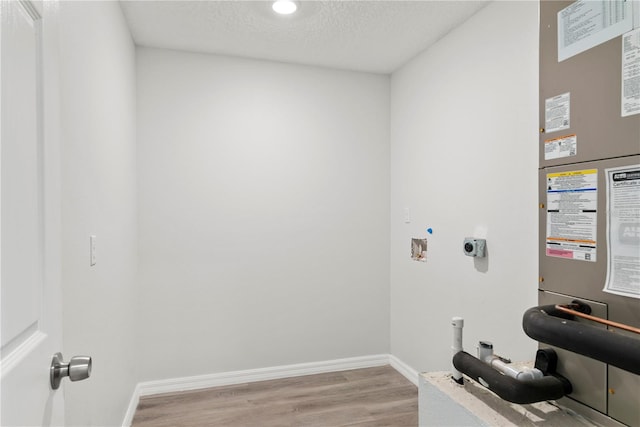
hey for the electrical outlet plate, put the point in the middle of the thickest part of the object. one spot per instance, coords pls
(474, 247)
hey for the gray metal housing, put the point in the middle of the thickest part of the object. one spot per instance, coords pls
(604, 140)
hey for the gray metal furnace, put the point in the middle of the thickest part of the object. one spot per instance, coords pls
(589, 245)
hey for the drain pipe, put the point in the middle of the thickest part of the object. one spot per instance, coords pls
(458, 324)
(519, 374)
(508, 388)
(485, 353)
(515, 388)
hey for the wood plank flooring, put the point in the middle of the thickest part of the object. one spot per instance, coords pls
(369, 397)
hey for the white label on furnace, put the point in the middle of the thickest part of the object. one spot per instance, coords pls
(623, 231)
(557, 148)
(587, 23)
(572, 203)
(630, 91)
(557, 112)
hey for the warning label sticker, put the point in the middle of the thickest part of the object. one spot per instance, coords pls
(557, 148)
(572, 202)
(557, 112)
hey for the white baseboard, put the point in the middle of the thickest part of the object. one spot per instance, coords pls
(133, 405)
(262, 374)
(407, 371)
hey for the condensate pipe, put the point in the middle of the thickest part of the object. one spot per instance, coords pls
(485, 353)
(519, 374)
(508, 388)
(458, 324)
(516, 388)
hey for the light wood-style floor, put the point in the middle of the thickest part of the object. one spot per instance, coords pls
(362, 397)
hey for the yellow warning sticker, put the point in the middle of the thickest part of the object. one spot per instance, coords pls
(572, 204)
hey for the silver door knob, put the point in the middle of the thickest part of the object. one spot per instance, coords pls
(78, 368)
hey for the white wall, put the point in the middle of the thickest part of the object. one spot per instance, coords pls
(98, 197)
(263, 214)
(464, 160)
(263, 196)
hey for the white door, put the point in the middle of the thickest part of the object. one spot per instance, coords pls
(30, 214)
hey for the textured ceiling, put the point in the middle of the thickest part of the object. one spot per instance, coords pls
(374, 36)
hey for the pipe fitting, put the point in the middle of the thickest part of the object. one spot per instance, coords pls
(458, 324)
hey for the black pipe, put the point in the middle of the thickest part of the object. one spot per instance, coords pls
(508, 388)
(551, 326)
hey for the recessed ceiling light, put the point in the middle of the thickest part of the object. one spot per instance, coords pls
(284, 7)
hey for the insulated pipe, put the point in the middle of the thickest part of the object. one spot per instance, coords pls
(549, 325)
(458, 324)
(508, 388)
